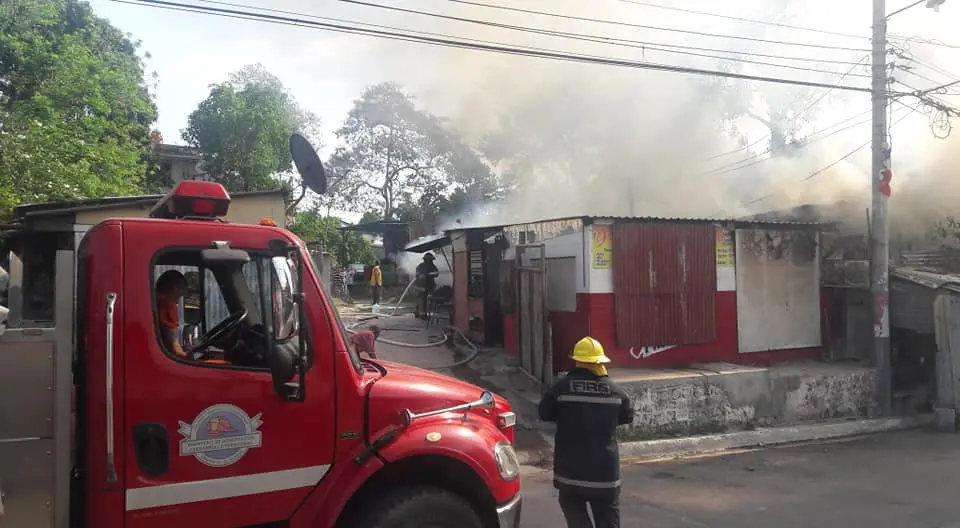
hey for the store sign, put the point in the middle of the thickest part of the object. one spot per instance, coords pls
(601, 255)
(726, 274)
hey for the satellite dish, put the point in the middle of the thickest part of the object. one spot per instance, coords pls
(308, 164)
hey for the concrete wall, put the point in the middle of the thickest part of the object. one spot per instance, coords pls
(726, 397)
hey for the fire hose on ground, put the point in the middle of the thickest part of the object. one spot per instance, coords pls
(474, 350)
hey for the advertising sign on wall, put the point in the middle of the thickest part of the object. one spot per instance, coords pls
(602, 253)
(726, 273)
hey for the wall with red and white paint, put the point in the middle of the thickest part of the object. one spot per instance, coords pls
(767, 301)
(774, 315)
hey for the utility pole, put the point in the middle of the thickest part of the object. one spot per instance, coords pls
(880, 226)
(882, 173)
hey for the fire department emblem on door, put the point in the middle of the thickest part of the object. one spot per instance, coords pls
(220, 435)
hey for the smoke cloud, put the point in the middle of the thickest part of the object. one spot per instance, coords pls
(599, 140)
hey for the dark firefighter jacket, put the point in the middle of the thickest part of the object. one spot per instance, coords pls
(587, 410)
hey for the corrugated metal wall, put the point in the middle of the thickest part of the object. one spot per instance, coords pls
(911, 306)
(664, 283)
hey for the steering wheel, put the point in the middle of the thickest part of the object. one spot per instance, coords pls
(221, 330)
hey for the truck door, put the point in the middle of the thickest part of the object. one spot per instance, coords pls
(210, 443)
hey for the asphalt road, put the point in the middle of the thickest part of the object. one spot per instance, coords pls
(898, 480)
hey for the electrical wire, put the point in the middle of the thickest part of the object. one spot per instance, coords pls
(730, 17)
(799, 115)
(938, 112)
(769, 153)
(905, 54)
(614, 41)
(929, 42)
(820, 171)
(600, 39)
(631, 43)
(463, 44)
(610, 22)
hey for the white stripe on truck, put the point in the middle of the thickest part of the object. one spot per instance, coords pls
(223, 488)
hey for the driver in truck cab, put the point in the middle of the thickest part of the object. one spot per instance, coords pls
(170, 288)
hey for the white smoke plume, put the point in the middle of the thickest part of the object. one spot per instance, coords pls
(619, 141)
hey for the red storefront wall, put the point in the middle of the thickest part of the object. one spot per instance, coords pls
(664, 283)
(682, 308)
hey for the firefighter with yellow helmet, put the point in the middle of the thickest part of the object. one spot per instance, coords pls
(587, 407)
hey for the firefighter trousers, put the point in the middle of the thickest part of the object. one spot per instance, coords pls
(606, 510)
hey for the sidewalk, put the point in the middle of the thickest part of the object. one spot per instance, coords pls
(703, 409)
(709, 408)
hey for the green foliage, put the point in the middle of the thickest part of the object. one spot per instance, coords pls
(403, 162)
(74, 108)
(243, 129)
(346, 248)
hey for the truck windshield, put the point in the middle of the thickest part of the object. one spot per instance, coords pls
(354, 356)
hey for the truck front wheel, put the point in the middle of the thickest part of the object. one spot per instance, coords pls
(419, 507)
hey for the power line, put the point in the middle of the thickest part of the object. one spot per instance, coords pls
(769, 153)
(493, 48)
(820, 171)
(609, 22)
(941, 88)
(730, 17)
(585, 37)
(632, 43)
(929, 42)
(799, 115)
(640, 44)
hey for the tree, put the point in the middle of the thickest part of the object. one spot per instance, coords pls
(74, 108)
(243, 129)
(347, 248)
(399, 159)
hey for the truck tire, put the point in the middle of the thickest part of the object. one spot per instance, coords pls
(419, 507)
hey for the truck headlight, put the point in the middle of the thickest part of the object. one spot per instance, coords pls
(507, 461)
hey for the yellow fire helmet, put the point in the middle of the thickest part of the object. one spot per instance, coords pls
(589, 350)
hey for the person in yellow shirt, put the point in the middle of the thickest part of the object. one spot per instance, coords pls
(376, 282)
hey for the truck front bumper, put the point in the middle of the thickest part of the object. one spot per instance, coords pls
(509, 513)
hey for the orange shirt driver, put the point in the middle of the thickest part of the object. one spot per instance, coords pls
(171, 286)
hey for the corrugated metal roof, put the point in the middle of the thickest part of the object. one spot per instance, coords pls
(694, 219)
(113, 202)
(740, 221)
(922, 258)
(427, 243)
(927, 278)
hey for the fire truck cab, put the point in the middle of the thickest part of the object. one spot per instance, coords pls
(270, 420)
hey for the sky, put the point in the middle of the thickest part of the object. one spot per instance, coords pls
(327, 71)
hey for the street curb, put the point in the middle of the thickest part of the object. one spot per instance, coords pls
(693, 445)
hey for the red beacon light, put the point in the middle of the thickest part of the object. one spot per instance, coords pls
(193, 199)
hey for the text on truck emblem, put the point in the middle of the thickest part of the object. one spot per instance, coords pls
(220, 435)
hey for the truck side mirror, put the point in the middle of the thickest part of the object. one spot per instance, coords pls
(283, 367)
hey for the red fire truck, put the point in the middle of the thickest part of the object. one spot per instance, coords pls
(271, 420)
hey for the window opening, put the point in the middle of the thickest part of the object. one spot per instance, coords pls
(230, 315)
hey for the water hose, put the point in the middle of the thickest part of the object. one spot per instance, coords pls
(474, 349)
